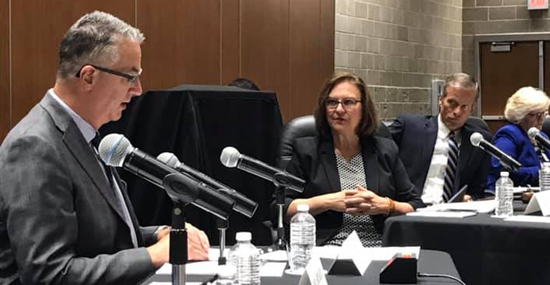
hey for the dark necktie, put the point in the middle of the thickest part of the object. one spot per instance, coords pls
(450, 170)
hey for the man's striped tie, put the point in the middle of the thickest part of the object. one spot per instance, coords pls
(450, 170)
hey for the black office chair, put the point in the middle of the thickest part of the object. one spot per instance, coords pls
(479, 122)
(305, 127)
(546, 126)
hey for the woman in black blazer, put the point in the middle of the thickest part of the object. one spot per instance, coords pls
(354, 178)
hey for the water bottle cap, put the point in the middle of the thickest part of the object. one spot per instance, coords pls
(504, 174)
(243, 236)
(303, 208)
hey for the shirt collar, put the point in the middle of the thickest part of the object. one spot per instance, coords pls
(85, 128)
(442, 130)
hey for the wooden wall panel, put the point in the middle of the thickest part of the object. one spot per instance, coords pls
(230, 41)
(307, 56)
(4, 70)
(183, 42)
(265, 46)
(36, 35)
(327, 39)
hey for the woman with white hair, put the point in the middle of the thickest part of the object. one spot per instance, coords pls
(527, 108)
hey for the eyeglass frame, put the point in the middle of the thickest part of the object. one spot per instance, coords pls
(131, 78)
(539, 115)
(341, 102)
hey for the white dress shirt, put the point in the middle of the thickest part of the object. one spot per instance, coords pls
(433, 186)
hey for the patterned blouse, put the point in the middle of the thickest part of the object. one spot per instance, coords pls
(351, 174)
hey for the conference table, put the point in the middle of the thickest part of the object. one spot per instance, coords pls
(430, 261)
(485, 249)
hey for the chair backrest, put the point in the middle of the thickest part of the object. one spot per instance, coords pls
(546, 126)
(478, 122)
(305, 127)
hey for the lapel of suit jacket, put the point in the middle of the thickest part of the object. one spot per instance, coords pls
(122, 185)
(466, 149)
(427, 149)
(328, 159)
(83, 153)
(370, 161)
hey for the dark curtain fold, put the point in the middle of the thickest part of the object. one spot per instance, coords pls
(196, 123)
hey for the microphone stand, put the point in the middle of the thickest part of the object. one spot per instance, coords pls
(222, 227)
(178, 244)
(281, 185)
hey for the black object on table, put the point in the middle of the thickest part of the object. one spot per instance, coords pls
(486, 250)
(430, 261)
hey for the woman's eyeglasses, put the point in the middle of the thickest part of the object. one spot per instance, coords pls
(347, 103)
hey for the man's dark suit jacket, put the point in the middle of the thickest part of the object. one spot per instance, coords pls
(416, 136)
(314, 160)
(60, 222)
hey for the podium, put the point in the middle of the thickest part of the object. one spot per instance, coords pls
(195, 123)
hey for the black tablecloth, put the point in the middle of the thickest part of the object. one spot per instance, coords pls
(486, 250)
(430, 261)
(196, 123)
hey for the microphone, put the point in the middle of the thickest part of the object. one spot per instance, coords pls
(505, 160)
(534, 133)
(231, 157)
(115, 150)
(243, 204)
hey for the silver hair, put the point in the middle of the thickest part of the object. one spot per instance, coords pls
(94, 39)
(524, 101)
(461, 80)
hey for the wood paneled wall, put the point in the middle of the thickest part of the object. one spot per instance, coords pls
(283, 45)
(4, 69)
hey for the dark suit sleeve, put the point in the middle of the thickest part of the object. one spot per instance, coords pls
(396, 129)
(477, 185)
(404, 188)
(42, 222)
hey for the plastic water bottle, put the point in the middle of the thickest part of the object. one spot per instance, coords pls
(302, 239)
(544, 177)
(227, 275)
(246, 258)
(504, 195)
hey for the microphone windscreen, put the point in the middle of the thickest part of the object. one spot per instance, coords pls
(113, 149)
(169, 159)
(476, 138)
(230, 157)
(533, 132)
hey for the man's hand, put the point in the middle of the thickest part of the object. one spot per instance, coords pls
(197, 243)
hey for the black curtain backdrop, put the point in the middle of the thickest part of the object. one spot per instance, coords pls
(196, 123)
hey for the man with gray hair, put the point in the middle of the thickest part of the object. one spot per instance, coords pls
(65, 218)
(436, 150)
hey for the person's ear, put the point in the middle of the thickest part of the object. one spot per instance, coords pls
(87, 75)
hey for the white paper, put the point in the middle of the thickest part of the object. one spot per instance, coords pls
(485, 206)
(520, 189)
(441, 214)
(353, 249)
(539, 202)
(170, 283)
(269, 269)
(530, 219)
(273, 269)
(314, 273)
(278, 255)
